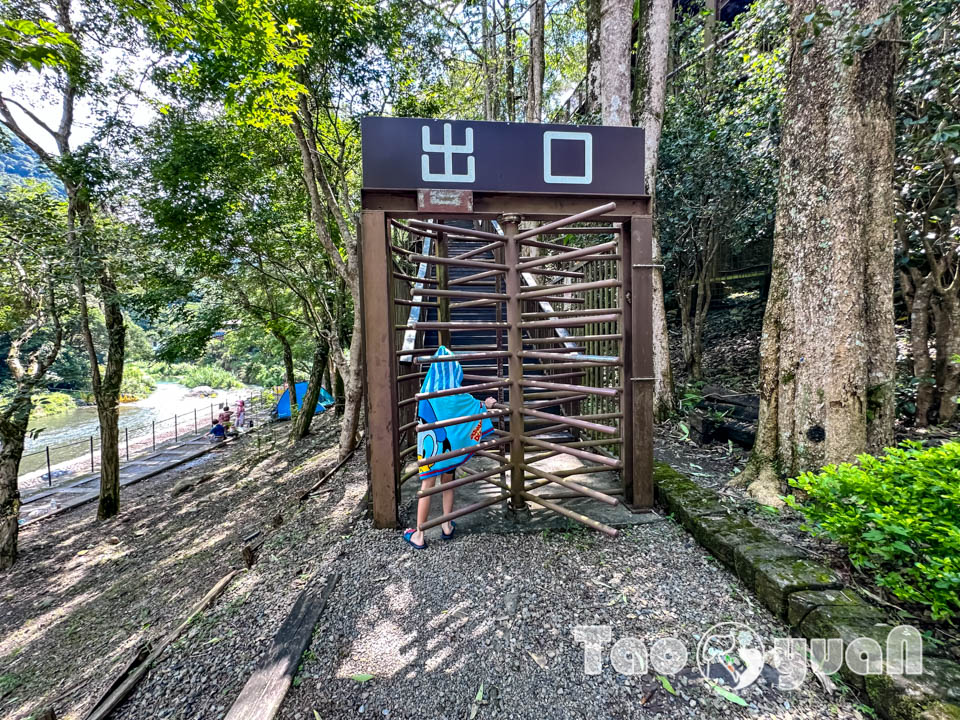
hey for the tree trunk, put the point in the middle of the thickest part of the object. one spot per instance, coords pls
(947, 347)
(339, 392)
(509, 40)
(489, 64)
(920, 348)
(616, 21)
(301, 426)
(650, 91)
(536, 66)
(289, 375)
(827, 349)
(700, 313)
(685, 300)
(592, 94)
(352, 391)
(108, 398)
(106, 385)
(13, 429)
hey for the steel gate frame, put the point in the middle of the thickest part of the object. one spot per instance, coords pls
(632, 213)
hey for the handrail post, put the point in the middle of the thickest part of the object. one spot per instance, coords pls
(49, 471)
(175, 437)
(153, 429)
(196, 427)
(126, 434)
(91, 454)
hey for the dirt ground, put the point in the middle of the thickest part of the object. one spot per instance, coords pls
(84, 594)
(480, 626)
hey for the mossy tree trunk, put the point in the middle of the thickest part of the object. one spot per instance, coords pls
(13, 430)
(301, 423)
(105, 383)
(39, 297)
(828, 347)
(592, 81)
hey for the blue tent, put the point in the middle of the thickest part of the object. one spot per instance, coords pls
(282, 410)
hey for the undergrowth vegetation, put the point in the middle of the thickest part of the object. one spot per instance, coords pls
(195, 375)
(898, 516)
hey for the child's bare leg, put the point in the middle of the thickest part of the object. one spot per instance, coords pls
(447, 502)
(423, 510)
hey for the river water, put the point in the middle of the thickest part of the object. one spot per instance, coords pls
(68, 434)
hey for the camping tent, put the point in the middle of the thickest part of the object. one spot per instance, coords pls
(282, 410)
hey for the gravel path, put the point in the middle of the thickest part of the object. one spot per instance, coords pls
(498, 611)
(429, 627)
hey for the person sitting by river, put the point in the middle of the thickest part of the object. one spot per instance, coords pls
(225, 414)
(218, 432)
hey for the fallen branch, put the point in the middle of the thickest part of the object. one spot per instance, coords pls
(261, 697)
(307, 493)
(114, 698)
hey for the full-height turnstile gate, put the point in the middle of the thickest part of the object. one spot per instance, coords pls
(559, 333)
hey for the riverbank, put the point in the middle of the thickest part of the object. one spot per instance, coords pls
(144, 425)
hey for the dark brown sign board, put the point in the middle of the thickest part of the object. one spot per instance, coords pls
(411, 154)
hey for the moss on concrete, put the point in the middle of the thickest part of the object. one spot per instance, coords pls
(800, 604)
(776, 579)
(749, 556)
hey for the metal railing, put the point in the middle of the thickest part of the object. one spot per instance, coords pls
(135, 442)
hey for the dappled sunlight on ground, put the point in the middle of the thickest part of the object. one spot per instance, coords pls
(85, 593)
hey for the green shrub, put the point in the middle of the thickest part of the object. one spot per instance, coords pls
(209, 375)
(168, 372)
(52, 403)
(898, 516)
(137, 382)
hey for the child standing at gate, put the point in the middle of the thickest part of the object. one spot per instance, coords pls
(434, 444)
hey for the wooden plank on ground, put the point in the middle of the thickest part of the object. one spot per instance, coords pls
(261, 697)
(116, 696)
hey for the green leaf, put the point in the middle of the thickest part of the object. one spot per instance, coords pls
(666, 684)
(362, 677)
(728, 695)
(479, 693)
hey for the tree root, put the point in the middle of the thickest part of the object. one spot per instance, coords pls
(761, 481)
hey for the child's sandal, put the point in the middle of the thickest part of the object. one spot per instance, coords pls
(408, 537)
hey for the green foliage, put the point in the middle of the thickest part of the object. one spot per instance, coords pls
(692, 396)
(928, 134)
(898, 516)
(717, 173)
(208, 375)
(136, 382)
(34, 44)
(52, 403)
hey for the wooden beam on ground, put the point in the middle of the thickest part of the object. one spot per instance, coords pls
(114, 698)
(261, 697)
(307, 493)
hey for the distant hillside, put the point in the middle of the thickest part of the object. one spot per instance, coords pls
(18, 162)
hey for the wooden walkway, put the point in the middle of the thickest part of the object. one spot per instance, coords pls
(52, 501)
